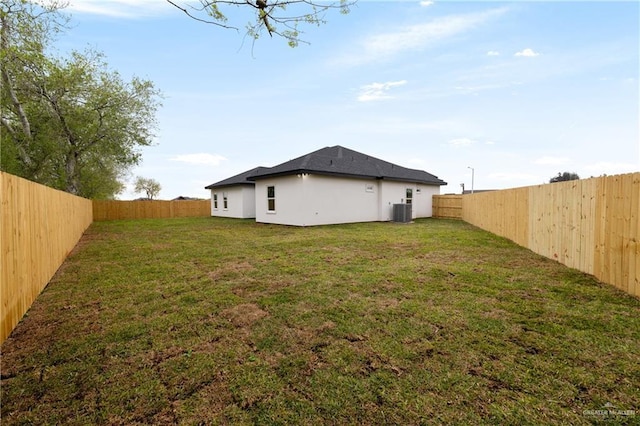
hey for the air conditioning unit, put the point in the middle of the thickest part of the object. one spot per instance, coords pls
(402, 213)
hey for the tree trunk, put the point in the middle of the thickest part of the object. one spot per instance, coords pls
(72, 178)
(6, 85)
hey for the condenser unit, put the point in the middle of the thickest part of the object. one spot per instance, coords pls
(402, 213)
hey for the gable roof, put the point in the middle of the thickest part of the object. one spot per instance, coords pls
(340, 161)
(240, 179)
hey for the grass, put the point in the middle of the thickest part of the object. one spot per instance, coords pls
(221, 321)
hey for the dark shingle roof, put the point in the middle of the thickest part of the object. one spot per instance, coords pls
(340, 161)
(241, 179)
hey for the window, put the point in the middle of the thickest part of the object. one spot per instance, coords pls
(409, 197)
(271, 198)
(225, 203)
(215, 201)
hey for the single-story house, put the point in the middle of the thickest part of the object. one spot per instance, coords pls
(328, 186)
(235, 196)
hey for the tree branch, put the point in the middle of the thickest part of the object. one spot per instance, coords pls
(7, 86)
(268, 15)
(206, 21)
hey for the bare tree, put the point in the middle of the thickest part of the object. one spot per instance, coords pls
(149, 186)
(279, 17)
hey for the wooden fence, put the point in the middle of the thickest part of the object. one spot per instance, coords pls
(447, 206)
(592, 225)
(118, 210)
(39, 227)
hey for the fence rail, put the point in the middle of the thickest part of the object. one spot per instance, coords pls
(39, 227)
(118, 210)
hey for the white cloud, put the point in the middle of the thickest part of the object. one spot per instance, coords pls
(412, 37)
(119, 8)
(462, 142)
(551, 161)
(377, 91)
(493, 53)
(610, 168)
(530, 53)
(425, 3)
(200, 159)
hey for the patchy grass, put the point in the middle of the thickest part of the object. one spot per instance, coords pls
(219, 321)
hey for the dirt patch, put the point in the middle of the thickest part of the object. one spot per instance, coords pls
(230, 269)
(244, 315)
(87, 238)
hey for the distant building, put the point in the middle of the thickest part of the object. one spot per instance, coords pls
(468, 191)
(183, 198)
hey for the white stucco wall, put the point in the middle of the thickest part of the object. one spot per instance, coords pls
(320, 200)
(395, 193)
(240, 202)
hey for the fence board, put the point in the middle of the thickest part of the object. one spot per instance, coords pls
(39, 227)
(634, 236)
(447, 206)
(591, 225)
(119, 210)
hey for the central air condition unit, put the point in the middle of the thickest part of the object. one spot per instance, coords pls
(402, 213)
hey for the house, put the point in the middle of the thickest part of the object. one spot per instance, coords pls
(328, 186)
(235, 196)
(184, 198)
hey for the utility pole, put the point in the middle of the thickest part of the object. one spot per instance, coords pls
(473, 172)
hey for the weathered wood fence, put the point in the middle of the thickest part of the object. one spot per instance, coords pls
(592, 225)
(39, 227)
(118, 210)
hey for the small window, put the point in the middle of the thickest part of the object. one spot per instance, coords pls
(409, 196)
(225, 203)
(215, 201)
(271, 198)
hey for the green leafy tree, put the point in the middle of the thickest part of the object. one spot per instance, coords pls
(279, 17)
(70, 123)
(150, 187)
(565, 176)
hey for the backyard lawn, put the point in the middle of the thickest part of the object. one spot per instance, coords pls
(225, 321)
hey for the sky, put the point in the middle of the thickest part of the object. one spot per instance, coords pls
(506, 94)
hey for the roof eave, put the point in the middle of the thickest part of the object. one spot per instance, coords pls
(315, 172)
(349, 175)
(226, 185)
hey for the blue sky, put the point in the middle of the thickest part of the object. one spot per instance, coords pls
(517, 90)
